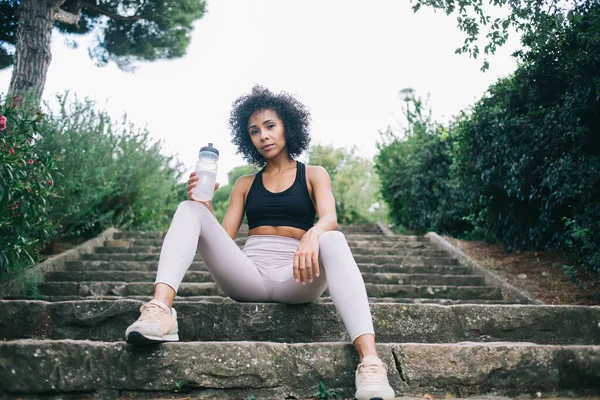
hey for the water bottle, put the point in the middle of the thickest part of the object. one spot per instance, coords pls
(206, 171)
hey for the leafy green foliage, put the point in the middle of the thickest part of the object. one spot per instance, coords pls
(535, 20)
(354, 182)
(128, 30)
(326, 394)
(26, 187)
(111, 174)
(523, 167)
(531, 148)
(416, 176)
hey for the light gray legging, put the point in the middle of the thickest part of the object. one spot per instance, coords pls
(263, 270)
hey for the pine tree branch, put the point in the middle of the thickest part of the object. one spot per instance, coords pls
(66, 17)
(109, 14)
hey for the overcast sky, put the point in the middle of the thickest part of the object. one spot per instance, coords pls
(346, 60)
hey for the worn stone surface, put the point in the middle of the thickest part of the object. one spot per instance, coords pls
(240, 394)
(187, 393)
(395, 244)
(529, 322)
(360, 258)
(123, 288)
(319, 322)
(95, 289)
(362, 250)
(204, 276)
(423, 279)
(491, 278)
(241, 236)
(221, 299)
(19, 287)
(508, 368)
(150, 266)
(118, 243)
(68, 366)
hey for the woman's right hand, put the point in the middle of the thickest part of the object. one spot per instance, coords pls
(192, 184)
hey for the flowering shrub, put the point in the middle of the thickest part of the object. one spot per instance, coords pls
(26, 184)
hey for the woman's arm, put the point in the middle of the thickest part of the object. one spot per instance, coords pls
(235, 211)
(306, 258)
(324, 201)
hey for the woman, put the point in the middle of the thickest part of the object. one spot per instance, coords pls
(286, 258)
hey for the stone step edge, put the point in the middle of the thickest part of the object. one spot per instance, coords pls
(212, 284)
(33, 366)
(127, 235)
(208, 299)
(107, 320)
(204, 276)
(355, 250)
(491, 278)
(20, 287)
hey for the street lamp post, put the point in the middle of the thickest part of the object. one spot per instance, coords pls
(407, 95)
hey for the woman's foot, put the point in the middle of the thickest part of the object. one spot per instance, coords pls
(372, 381)
(157, 324)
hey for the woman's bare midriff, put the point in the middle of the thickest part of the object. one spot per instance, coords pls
(286, 231)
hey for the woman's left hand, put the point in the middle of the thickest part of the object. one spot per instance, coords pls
(306, 258)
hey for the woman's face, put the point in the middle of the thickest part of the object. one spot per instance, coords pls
(266, 132)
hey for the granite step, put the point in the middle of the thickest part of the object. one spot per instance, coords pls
(406, 268)
(211, 289)
(222, 299)
(176, 395)
(106, 320)
(349, 236)
(281, 370)
(242, 241)
(204, 276)
(356, 251)
(359, 258)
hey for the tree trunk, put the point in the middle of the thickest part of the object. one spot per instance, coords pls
(32, 52)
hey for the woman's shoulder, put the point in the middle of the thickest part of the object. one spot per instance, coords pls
(316, 172)
(244, 182)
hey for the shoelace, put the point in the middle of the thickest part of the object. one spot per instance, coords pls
(151, 310)
(374, 373)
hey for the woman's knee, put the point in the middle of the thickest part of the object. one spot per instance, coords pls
(191, 208)
(331, 237)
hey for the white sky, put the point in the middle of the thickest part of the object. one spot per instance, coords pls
(346, 60)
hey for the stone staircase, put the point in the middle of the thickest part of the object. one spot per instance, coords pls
(439, 328)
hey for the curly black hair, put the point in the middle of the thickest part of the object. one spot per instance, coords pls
(295, 116)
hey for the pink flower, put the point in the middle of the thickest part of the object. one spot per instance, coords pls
(11, 151)
(29, 162)
(30, 140)
(2, 123)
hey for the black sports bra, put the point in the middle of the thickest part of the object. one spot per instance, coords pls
(292, 207)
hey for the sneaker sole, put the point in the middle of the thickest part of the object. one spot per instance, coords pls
(379, 396)
(135, 337)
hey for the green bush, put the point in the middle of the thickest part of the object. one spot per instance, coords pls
(417, 180)
(530, 152)
(26, 187)
(522, 168)
(111, 174)
(354, 183)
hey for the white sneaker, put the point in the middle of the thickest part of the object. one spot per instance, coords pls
(157, 324)
(372, 381)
